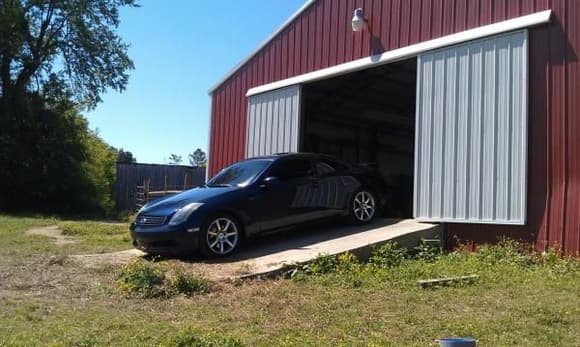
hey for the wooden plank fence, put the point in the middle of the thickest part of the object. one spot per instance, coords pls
(135, 182)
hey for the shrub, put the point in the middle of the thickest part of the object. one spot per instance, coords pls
(187, 284)
(427, 251)
(142, 279)
(388, 255)
(325, 263)
(322, 264)
(346, 262)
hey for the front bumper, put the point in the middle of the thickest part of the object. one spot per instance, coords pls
(165, 240)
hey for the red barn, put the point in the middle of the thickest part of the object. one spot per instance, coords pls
(469, 108)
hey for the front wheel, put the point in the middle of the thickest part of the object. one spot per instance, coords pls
(363, 207)
(221, 236)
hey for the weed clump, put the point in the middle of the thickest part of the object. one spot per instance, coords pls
(508, 252)
(143, 279)
(345, 265)
(187, 284)
(427, 251)
(192, 338)
(388, 255)
(324, 264)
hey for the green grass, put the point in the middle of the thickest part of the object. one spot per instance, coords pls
(97, 237)
(87, 237)
(518, 300)
(13, 241)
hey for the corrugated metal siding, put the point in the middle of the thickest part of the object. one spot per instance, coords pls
(553, 160)
(321, 37)
(471, 132)
(273, 122)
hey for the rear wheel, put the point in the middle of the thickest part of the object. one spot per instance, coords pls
(363, 207)
(221, 236)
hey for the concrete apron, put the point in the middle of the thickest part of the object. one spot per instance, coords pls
(270, 259)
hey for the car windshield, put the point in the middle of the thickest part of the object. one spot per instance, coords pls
(240, 174)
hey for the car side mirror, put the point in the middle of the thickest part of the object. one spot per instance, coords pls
(266, 182)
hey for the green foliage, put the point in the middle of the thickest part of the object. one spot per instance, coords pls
(198, 158)
(427, 251)
(508, 251)
(392, 265)
(322, 264)
(193, 338)
(52, 162)
(187, 284)
(175, 159)
(388, 255)
(144, 279)
(70, 44)
(345, 265)
(331, 263)
(57, 57)
(125, 157)
(100, 172)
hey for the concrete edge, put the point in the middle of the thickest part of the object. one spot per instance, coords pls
(407, 240)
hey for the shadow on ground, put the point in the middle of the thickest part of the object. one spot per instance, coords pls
(294, 238)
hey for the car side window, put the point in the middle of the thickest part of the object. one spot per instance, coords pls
(323, 168)
(293, 168)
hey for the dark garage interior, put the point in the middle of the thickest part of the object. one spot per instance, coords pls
(367, 117)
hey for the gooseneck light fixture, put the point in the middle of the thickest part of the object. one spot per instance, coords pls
(358, 20)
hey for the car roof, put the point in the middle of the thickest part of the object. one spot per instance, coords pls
(278, 156)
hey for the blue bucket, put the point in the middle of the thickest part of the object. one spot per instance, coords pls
(457, 342)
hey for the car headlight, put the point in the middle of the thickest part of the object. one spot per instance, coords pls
(183, 213)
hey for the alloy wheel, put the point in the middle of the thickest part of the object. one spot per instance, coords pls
(222, 236)
(364, 206)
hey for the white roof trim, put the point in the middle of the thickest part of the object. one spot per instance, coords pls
(409, 51)
(262, 45)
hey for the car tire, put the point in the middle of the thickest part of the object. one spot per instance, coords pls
(220, 236)
(363, 207)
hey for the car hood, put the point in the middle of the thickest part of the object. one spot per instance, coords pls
(166, 206)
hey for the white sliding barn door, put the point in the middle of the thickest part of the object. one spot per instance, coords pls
(273, 122)
(471, 132)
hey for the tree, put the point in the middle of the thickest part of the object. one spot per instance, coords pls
(125, 157)
(175, 159)
(56, 58)
(52, 162)
(198, 158)
(68, 47)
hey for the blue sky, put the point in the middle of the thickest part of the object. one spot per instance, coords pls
(180, 48)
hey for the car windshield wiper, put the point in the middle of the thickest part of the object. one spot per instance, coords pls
(219, 185)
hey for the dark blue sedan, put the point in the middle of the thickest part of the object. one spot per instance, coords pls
(254, 196)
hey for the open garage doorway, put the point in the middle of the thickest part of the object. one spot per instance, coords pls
(367, 117)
